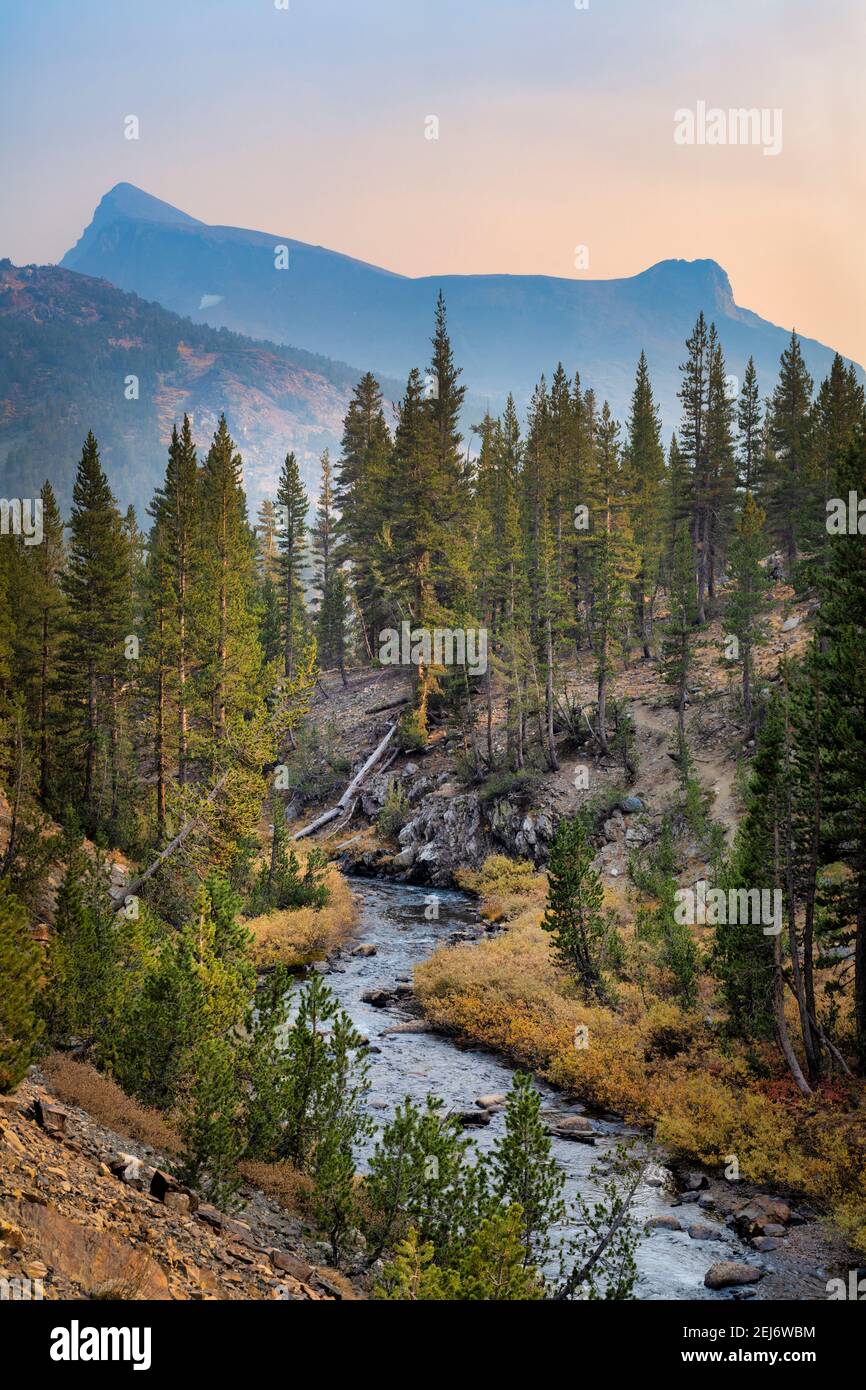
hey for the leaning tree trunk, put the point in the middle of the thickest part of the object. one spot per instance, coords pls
(353, 787)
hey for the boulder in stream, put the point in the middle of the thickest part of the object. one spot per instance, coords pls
(700, 1232)
(727, 1274)
(472, 1117)
(664, 1223)
(379, 998)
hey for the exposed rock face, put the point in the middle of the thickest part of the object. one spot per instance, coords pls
(89, 1213)
(448, 829)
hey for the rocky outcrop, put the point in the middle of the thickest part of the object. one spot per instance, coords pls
(89, 1213)
(447, 829)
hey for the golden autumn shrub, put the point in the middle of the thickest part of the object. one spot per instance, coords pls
(651, 1062)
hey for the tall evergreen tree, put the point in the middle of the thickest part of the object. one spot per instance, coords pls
(750, 431)
(790, 472)
(694, 395)
(331, 618)
(360, 499)
(292, 518)
(176, 516)
(229, 654)
(613, 561)
(646, 485)
(97, 586)
(841, 648)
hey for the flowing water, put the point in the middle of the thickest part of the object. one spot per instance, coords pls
(392, 917)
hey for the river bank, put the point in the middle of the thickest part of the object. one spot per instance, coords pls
(687, 1215)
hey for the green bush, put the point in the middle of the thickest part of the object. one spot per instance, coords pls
(20, 976)
(394, 813)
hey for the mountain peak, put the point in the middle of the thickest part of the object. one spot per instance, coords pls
(126, 202)
(704, 276)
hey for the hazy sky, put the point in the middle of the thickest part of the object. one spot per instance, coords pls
(555, 130)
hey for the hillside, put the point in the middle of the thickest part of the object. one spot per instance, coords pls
(506, 329)
(67, 344)
(81, 1216)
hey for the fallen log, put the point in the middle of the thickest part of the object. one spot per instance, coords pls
(119, 895)
(352, 789)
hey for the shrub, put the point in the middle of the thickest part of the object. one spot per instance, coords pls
(411, 734)
(79, 1083)
(518, 786)
(667, 1031)
(394, 813)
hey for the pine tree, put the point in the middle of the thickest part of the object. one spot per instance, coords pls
(491, 1266)
(49, 603)
(841, 651)
(83, 955)
(176, 515)
(332, 615)
(292, 518)
(21, 973)
(451, 560)
(561, 444)
(97, 586)
(645, 463)
(266, 537)
(159, 654)
(694, 394)
(325, 1079)
(750, 431)
(229, 656)
(416, 1179)
(209, 1113)
(720, 462)
(838, 413)
(511, 595)
(541, 563)
(524, 1172)
(412, 531)
(790, 472)
(574, 914)
(613, 561)
(36, 621)
(360, 499)
(411, 1276)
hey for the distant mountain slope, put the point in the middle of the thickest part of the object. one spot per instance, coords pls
(67, 345)
(506, 329)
